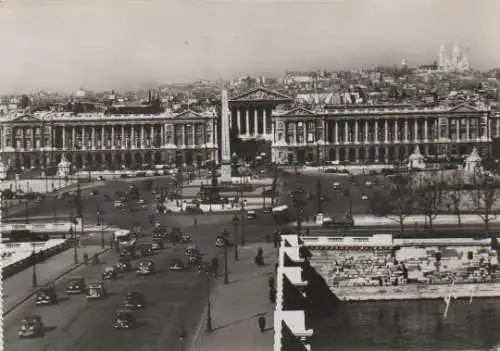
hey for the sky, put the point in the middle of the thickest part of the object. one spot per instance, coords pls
(62, 45)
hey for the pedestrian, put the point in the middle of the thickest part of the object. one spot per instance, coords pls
(270, 282)
(272, 295)
(195, 222)
(262, 323)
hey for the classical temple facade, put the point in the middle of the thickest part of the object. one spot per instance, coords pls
(362, 134)
(251, 113)
(108, 141)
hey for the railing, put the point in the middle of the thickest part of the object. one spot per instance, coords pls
(289, 325)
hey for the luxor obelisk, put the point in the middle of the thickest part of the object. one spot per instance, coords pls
(225, 168)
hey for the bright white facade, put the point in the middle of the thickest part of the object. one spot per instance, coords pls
(362, 134)
(107, 141)
(458, 62)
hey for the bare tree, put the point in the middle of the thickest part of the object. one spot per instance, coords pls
(429, 195)
(455, 195)
(484, 198)
(395, 199)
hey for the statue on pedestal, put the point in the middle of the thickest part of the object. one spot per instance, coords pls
(3, 170)
(416, 160)
(64, 167)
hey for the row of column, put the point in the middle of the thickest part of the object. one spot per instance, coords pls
(165, 136)
(246, 117)
(425, 135)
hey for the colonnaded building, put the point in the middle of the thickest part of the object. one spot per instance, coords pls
(350, 133)
(108, 141)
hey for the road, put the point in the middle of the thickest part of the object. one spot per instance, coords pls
(175, 298)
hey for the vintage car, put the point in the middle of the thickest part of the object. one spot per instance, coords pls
(135, 300)
(192, 250)
(158, 244)
(47, 295)
(177, 265)
(95, 291)
(145, 268)
(193, 260)
(147, 250)
(124, 319)
(76, 286)
(127, 252)
(185, 238)
(124, 266)
(109, 273)
(251, 214)
(222, 241)
(31, 327)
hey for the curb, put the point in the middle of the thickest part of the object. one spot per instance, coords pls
(59, 276)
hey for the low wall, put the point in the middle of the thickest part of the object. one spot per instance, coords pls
(21, 254)
(38, 227)
(416, 292)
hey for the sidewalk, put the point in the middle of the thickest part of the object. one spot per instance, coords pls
(236, 306)
(18, 288)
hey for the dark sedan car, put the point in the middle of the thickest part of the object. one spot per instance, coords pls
(135, 300)
(31, 327)
(47, 295)
(124, 266)
(124, 319)
(76, 286)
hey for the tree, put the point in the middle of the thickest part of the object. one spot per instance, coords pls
(395, 199)
(429, 196)
(455, 195)
(484, 198)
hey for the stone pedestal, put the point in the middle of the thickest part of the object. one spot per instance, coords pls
(225, 173)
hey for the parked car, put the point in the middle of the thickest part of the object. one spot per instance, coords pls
(124, 319)
(145, 268)
(158, 244)
(364, 197)
(177, 265)
(76, 286)
(31, 327)
(185, 238)
(251, 214)
(109, 273)
(134, 301)
(124, 266)
(95, 291)
(192, 250)
(47, 295)
(146, 250)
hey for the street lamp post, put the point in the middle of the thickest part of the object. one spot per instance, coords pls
(242, 221)
(235, 236)
(99, 223)
(72, 234)
(34, 276)
(209, 328)
(226, 278)
(26, 219)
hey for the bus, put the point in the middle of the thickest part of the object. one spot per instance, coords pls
(125, 238)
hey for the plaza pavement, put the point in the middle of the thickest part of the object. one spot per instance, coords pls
(18, 288)
(237, 306)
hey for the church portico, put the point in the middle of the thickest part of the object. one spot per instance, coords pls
(250, 113)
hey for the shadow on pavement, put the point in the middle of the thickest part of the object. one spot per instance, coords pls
(49, 329)
(253, 316)
(260, 275)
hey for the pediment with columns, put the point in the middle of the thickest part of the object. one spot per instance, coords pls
(261, 94)
(26, 119)
(189, 114)
(463, 108)
(299, 111)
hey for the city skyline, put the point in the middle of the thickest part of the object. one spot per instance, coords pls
(59, 46)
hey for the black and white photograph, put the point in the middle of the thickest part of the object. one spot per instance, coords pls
(250, 175)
